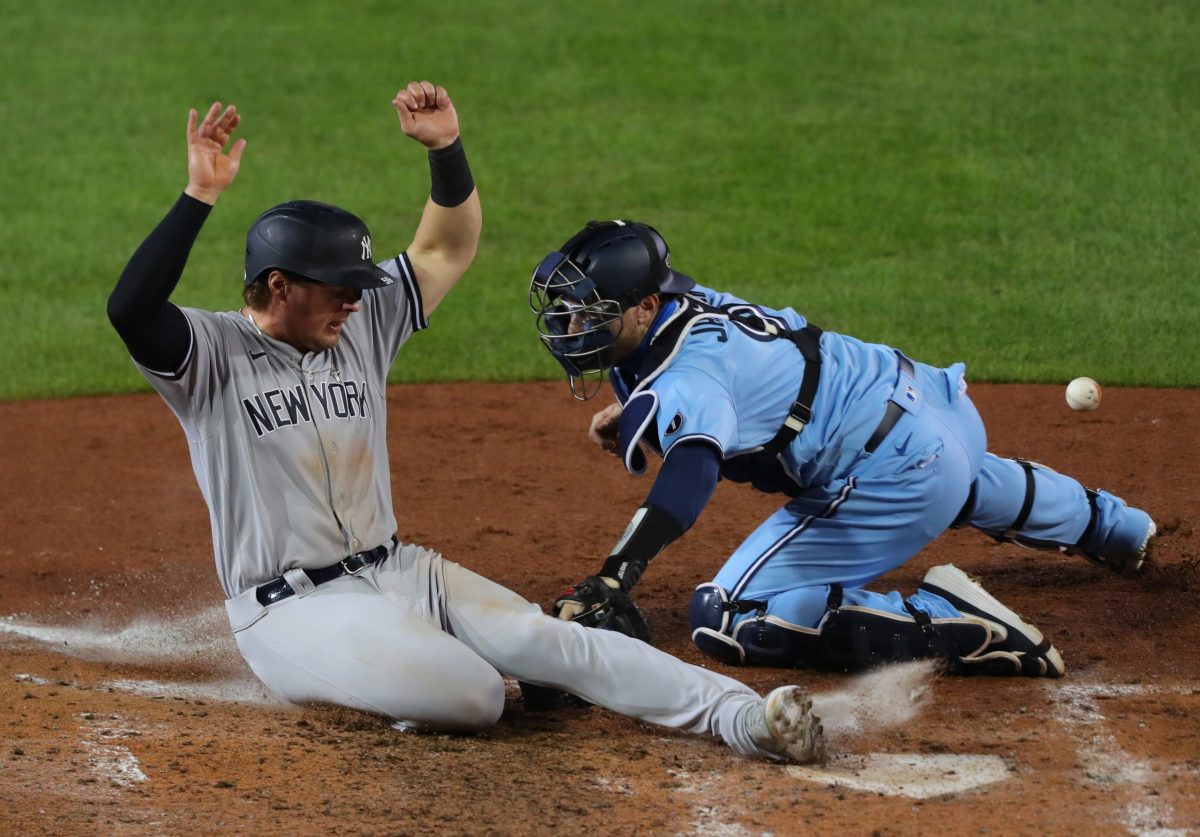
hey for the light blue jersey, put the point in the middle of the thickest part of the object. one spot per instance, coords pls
(732, 386)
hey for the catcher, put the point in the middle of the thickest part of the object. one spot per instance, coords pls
(872, 454)
(284, 407)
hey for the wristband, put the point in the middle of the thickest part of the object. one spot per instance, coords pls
(450, 175)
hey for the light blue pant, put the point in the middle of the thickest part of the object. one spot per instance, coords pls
(888, 505)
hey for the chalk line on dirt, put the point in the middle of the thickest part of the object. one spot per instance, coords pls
(111, 762)
(201, 638)
(226, 691)
(1105, 762)
(710, 815)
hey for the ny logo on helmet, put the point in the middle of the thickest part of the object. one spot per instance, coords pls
(366, 248)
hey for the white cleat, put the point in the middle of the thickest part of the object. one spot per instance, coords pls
(1013, 639)
(785, 725)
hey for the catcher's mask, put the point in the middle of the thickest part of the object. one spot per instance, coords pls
(581, 289)
(313, 240)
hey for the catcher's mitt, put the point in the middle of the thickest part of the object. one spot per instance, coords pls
(605, 607)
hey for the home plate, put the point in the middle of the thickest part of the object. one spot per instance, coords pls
(906, 774)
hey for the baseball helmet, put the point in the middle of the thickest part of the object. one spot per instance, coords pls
(316, 241)
(598, 274)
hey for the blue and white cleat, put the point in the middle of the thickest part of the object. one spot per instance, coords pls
(1015, 646)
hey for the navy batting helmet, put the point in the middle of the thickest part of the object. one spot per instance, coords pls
(598, 274)
(316, 241)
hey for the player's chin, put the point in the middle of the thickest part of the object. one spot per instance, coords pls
(332, 334)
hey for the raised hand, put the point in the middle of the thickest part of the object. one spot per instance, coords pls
(210, 168)
(427, 114)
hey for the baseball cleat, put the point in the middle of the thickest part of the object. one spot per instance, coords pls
(1015, 647)
(784, 724)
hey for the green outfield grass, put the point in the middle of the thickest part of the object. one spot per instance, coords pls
(1013, 184)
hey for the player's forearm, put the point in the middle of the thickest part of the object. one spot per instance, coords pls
(448, 234)
(452, 220)
(154, 330)
(684, 485)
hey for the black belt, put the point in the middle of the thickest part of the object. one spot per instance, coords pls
(892, 414)
(278, 589)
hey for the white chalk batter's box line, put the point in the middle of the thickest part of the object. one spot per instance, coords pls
(1105, 763)
(921, 776)
(110, 762)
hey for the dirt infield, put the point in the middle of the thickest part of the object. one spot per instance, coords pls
(126, 709)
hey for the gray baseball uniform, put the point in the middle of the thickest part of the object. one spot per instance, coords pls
(290, 448)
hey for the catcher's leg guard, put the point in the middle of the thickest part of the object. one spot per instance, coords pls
(763, 640)
(1029, 504)
(1014, 647)
(848, 638)
(855, 637)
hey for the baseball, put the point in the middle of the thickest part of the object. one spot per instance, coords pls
(1083, 394)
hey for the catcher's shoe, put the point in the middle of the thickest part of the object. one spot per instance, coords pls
(784, 724)
(1015, 646)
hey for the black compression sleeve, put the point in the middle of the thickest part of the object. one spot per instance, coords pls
(684, 485)
(155, 331)
(647, 534)
(450, 176)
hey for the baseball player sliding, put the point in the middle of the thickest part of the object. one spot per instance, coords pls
(874, 455)
(283, 405)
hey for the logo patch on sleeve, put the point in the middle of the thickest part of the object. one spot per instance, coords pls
(675, 424)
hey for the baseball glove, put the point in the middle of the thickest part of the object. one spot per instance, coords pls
(605, 607)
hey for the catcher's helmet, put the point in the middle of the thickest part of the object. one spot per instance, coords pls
(316, 241)
(598, 274)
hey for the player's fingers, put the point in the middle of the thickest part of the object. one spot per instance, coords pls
(235, 152)
(404, 102)
(405, 112)
(441, 99)
(417, 92)
(193, 117)
(430, 94)
(229, 119)
(595, 436)
(210, 118)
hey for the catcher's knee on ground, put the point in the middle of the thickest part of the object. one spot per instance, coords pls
(856, 637)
